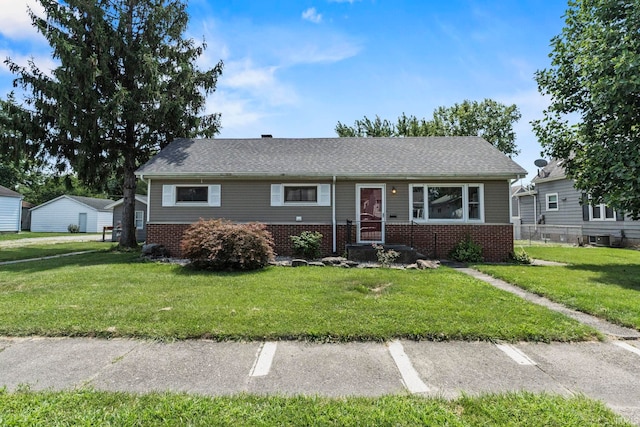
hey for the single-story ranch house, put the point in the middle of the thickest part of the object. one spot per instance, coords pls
(428, 192)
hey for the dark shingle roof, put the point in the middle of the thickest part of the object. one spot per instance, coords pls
(98, 204)
(362, 157)
(554, 170)
(4, 191)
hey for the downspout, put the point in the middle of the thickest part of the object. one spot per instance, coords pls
(333, 215)
(535, 212)
(510, 201)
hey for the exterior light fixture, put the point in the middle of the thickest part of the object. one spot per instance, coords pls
(393, 190)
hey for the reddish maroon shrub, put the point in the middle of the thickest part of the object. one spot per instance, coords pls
(218, 244)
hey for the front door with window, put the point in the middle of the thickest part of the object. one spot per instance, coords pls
(370, 209)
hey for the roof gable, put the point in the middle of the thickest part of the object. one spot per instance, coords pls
(351, 157)
(4, 191)
(139, 197)
(91, 202)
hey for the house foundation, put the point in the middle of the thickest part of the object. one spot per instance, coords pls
(434, 241)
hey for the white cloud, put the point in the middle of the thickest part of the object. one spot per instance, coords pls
(44, 62)
(258, 82)
(312, 15)
(15, 22)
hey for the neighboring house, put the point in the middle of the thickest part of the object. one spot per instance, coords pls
(140, 217)
(515, 206)
(428, 193)
(555, 210)
(10, 210)
(88, 213)
(26, 216)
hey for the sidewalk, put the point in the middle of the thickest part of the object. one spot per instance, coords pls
(608, 371)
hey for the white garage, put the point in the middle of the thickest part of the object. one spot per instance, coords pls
(88, 213)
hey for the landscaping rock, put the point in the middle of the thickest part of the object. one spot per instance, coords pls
(424, 264)
(412, 267)
(333, 260)
(316, 264)
(299, 263)
(155, 250)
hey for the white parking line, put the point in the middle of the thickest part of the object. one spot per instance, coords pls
(262, 366)
(517, 355)
(627, 347)
(410, 376)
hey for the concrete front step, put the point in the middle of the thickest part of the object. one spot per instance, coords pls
(367, 253)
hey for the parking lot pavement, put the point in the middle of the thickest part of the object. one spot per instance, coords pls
(607, 371)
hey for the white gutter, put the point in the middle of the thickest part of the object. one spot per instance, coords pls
(333, 215)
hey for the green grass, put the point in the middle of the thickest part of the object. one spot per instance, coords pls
(604, 282)
(49, 249)
(32, 235)
(117, 294)
(85, 407)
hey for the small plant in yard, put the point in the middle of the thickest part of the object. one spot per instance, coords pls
(466, 251)
(307, 244)
(73, 228)
(385, 257)
(219, 244)
(520, 256)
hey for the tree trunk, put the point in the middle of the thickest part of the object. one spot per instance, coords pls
(128, 235)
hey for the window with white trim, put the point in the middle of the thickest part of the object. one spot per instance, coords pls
(552, 201)
(601, 212)
(300, 195)
(191, 195)
(447, 202)
(139, 220)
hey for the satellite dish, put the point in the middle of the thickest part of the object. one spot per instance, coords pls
(541, 163)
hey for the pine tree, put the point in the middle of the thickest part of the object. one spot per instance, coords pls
(126, 86)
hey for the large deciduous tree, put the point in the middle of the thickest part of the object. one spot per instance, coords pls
(593, 120)
(489, 119)
(126, 85)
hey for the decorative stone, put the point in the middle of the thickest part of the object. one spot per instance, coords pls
(299, 263)
(333, 260)
(155, 250)
(412, 267)
(424, 264)
(316, 264)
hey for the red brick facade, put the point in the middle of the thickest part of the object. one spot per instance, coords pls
(434, 241)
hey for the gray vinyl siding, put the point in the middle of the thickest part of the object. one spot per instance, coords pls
(526, 210)
(496, 202)
(244, 200)
(569, 208)
(241, 201)
(141, 234)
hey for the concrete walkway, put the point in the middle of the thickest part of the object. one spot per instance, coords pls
(608, 371)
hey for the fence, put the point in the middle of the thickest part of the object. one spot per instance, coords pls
(548, 233)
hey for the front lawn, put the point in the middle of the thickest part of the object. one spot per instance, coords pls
(117, 294)
(49, 249)
(102, 408)
(604, 282)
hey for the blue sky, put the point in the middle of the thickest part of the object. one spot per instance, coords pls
(296, 68)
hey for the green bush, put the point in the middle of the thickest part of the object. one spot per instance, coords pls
(219, 245)
(519, 257)
(466, 251)
(73, 228)
(385, 257)
(307, 244)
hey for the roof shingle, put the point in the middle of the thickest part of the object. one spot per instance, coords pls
(361, 157)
